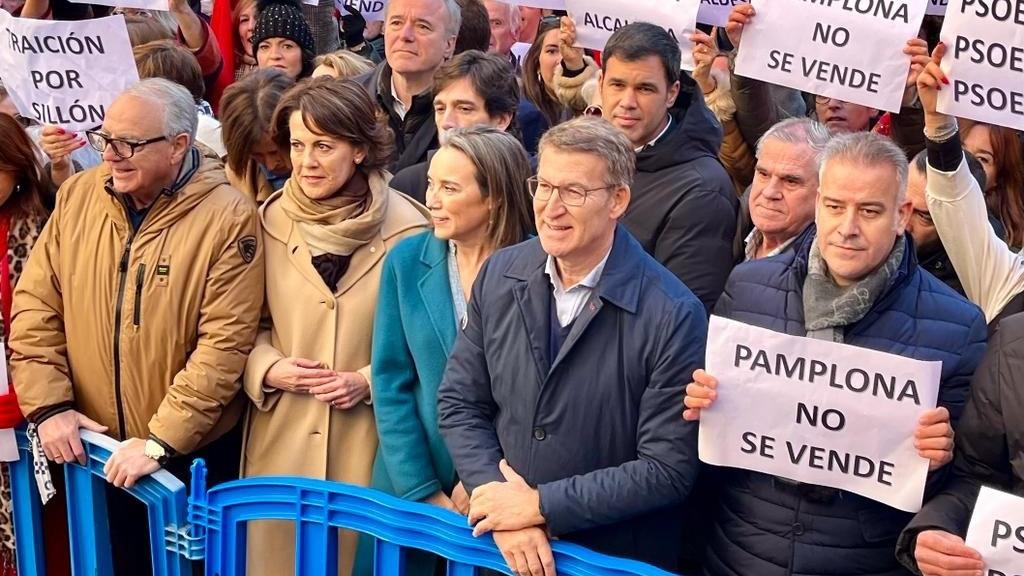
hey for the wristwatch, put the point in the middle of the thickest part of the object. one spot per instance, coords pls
(156, 451)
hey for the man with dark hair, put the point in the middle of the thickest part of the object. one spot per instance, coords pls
(930, 252)
(475, 32)
(684, 206)
(472, 89)
(419, 35)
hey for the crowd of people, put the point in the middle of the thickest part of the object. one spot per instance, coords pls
(454, 257)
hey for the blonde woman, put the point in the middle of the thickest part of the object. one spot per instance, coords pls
(341, 64)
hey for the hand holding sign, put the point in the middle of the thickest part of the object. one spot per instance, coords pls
(934, 438)
(739, 18)
(917, 49)
(572, 57)
(940, 553)
(699, 394)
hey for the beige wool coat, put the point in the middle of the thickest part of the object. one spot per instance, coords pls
(295, 434)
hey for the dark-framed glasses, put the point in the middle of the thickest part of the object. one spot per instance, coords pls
(570, 194)
(124, 148)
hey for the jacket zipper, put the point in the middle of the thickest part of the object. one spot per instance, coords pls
(118, 310)
(139, 278)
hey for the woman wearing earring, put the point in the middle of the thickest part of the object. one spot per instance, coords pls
(326, 233)
(479, 202)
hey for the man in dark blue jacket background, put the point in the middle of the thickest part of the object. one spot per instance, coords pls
(852, 278)
(560, 402)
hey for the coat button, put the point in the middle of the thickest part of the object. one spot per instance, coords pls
(539, 434)
(798, 529)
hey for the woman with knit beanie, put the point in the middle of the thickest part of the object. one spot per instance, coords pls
(282, 38)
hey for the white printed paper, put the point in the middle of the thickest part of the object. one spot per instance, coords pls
(372, 10)
(846, 49)
(160, 5)
(984, 62)
(716, 12)
(66, 72)
(596, 20)
(546, 4)
(936, 7)
(817, 412)
(996, 529)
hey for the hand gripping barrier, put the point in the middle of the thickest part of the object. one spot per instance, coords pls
(164, 496)
(319, 508)
(212, 524)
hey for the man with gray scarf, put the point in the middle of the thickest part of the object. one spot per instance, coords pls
(853, 277)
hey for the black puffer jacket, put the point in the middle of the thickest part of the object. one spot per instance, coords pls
(989, 441)
(683, 208)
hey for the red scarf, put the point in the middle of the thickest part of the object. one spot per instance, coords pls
(10, 413)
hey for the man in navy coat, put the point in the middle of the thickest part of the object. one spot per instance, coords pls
(560, 404)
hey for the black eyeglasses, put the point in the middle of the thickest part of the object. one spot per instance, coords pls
(124, 149)
(570, 195)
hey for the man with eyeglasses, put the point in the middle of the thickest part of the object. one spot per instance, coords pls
(138, 308)
(560, 400)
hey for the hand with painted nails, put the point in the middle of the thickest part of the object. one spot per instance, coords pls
(929, 82)
(58, 144)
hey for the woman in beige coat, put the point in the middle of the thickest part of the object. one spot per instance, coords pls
(326, 233)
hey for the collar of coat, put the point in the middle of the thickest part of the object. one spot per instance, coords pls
(620, 283)
(189, 190)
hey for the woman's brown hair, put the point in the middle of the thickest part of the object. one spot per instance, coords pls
(502, 168)
(339, 109)
(533, 85)
(17, 155)
(246, 113)
(168, 59)
(1007, 201)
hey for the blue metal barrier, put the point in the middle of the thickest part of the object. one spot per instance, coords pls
(212, 524)
(162, 493)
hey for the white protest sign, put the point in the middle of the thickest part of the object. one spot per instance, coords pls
(936, 7)
(372, 10)
(596, 20)
(162, 5)
(846, 49)
(546, 4)
(817, 412)
(984, 61)
(716, 12)
(8, 443)
(66, 73)
(997, 532)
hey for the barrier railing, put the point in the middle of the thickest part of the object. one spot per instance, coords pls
(211, 524)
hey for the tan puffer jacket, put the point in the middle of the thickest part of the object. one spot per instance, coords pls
(145, 332)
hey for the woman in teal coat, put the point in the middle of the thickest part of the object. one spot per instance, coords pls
(479, 202)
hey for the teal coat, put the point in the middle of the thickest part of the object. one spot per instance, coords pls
(412, 337)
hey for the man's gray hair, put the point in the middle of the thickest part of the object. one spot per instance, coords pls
(868, 149)
(799, 131)
(595, 136)
(179, 107)
(454, 17)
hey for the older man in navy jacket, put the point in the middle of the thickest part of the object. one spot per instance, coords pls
(560, 403)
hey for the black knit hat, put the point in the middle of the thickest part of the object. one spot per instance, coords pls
(281, 19)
